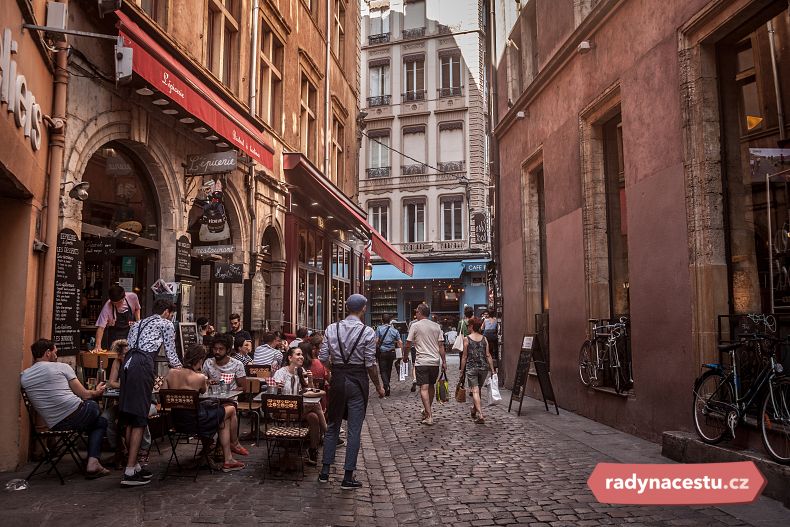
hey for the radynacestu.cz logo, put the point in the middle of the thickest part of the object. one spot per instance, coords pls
(674, 484)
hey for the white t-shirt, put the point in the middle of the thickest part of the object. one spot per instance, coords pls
(426, 336)
(228, 373)
(291, 384)
(47, 386)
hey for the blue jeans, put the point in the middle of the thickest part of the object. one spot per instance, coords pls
(355, 402)
(87, 419)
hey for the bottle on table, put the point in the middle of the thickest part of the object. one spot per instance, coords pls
(101, 374)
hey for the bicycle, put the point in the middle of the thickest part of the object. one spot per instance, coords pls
(719, 407)
(606, 351)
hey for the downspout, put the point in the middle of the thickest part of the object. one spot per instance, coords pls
(57, 141)
(780, 112)
(327, 79)
(251, 184)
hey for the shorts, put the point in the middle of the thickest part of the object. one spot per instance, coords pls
(132, 420)
(476, 378)
(427, 374)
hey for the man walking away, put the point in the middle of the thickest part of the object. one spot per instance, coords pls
(387, 340)
(427, 337)
(463, 324)
(137, 381)
(349, 350)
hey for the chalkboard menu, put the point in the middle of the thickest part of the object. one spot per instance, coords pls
(532, 352)
(228, 273)
(187, 337)
(99, 247)
(183, 256)
(68, 284)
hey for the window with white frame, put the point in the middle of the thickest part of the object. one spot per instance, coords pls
(379, 217)
(379, 22)
(378, 153)
(270, 77)
(414, 146)
(451, 147)
(414, 221)
(414, 78)
(379, 83)
(450, 75)
(452, 218)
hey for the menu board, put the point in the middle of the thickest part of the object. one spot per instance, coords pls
(228, 273)
(187, 336)
(68, 284)
(183, 256)
(97, 246)
(531, 351)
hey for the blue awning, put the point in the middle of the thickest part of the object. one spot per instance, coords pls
(422, 271)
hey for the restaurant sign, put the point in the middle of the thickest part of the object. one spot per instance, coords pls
(15, 94)
(214, 163)
(208, 250)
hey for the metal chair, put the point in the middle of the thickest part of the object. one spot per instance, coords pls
(63, 442)
(283, 425)
(184, 400)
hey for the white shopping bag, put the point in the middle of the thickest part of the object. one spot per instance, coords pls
(403, 372)
(458, 345)
(493, 390)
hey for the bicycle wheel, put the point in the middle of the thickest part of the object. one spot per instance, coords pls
(623, 381)
(586, 363)
(713, 401)
(775, 420)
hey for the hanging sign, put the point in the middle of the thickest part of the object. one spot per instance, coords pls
(68, 283)
(183, 256)
(208, 250)
(214, 163)
(99, 247)
(481, 227)
(214, 222)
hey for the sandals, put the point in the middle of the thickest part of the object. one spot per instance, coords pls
(230, 467)
(240, 450)
(98, 474)
(480, 421)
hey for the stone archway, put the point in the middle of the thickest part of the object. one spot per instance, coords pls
(272, 271)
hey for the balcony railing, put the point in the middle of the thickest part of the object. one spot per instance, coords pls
(416, 169)
(379, 100)
(379, 39)
(416, 32)
(452, 91)
(417, 95)
(378, 172)
(451, 166)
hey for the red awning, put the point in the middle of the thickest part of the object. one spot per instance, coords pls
(167, 75)
(299, 171)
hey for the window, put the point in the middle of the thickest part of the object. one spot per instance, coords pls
(746, 79)
(307, 113)
(617, 224)
(222, 41)
(414, 76)
(414, 222)
(414, 17)
(270, 78)
(310, 310)
(379, 157)
(339, 30)
(336, 155)
(450, 72)
(379, 26)
(451, 147)
(379, 218)
(156, 9)
(414, 146)
(452, 219)
(379, 85)
(341, 281)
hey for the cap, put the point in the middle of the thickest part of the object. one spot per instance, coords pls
(356, 302)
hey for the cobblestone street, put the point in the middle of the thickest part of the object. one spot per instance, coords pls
(529, 470)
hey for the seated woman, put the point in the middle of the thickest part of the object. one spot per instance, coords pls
(211, 419)
(292, 379)
(315, 370)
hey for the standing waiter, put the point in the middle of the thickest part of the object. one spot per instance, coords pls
(349, 350)
(116, 317)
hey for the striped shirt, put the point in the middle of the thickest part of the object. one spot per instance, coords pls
(265, 355)
(350, 328)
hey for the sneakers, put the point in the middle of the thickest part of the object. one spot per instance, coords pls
(386, 392)
(341, 441)
(350, 484)
(145, 473)
(323, 478)
(135, 481)
(230, 467)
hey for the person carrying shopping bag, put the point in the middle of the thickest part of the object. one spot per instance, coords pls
(476, 361)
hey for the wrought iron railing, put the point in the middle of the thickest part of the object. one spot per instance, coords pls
(415, 169)
(378, 172)
(451, 166)
(452, 91)
(417, 95)
(378, 39)
(380, 100)
(416, 32)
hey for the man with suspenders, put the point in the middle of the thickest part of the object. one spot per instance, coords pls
(349, 351)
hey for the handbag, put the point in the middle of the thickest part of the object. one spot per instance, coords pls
(442, 388)
(458, 345)
(460, 393)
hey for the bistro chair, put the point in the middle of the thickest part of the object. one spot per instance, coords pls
(188, 400)
(258, 370)
(55, 444)
(283, 426)
(90, 365)
(248, 406)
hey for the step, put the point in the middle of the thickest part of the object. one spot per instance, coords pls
(686, 447)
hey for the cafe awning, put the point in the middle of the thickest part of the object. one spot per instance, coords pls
(422, 271)
(172, 80)
(301, 173)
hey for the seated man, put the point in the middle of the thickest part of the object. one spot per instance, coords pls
(222, 367)
(241, 350)
(64, 404)
(267, 353)
(211, 419)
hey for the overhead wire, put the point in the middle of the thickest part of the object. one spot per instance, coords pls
(437, 170)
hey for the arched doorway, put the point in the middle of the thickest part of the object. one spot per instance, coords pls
(121, 231)
(271, 273)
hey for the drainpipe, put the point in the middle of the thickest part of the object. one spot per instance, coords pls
(777, 82)
(327, 78)
(57, 140)
(253, 98)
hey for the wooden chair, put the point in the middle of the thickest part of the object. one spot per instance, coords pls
(186, 400)
(62, 442)
(259, 371)
(90, 365)
(247, 406)
(283, 425)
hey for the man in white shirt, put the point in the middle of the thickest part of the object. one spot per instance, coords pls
(223, 367)
(301, 334)
(427, 338)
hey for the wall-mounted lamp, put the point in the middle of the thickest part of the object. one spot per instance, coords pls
(79, 191)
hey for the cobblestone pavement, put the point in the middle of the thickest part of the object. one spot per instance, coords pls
(530, 470)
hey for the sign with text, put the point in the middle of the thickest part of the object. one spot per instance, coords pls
(187, 336)
(214, 163)
(531, 352)
(183, 256)
(481, 227)
(208, 250)
(228, 273)
(97, 246)
(475, 267)
(68, 284)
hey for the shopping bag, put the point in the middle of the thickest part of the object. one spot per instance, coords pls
(403, 372)
(442, 388)
(458, 345)
(494, 396)
(460, 393)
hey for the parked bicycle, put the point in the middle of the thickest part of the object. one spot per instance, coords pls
(606, 352)
(721, 405)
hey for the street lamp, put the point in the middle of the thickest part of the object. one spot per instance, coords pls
(368, 271)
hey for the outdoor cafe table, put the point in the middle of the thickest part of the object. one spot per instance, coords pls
(229, 396)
